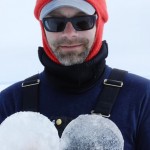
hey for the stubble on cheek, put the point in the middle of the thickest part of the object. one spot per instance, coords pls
(71, 57)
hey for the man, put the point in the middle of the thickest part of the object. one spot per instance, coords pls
(71, 84)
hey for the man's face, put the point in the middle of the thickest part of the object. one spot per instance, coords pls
(70, 46)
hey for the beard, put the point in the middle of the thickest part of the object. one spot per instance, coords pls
(73, 57)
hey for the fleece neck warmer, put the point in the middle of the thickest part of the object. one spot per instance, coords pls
(101, 10)
(75, 78)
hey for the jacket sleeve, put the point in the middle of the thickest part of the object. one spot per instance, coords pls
(3, 107)
(10, 101)
(143, 130)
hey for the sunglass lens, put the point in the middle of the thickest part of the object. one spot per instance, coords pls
(84, 23)
(54, 24)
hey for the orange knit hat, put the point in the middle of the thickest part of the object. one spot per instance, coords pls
(101, 10)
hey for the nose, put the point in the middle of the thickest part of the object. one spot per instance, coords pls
(69, 30)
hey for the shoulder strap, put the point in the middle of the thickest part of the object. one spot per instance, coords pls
(106, 99)
(30, 93)
(109, 93)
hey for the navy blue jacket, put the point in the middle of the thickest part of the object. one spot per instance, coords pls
(131, 111)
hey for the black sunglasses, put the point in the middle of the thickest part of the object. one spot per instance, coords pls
(58, 24)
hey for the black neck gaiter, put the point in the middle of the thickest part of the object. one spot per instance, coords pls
(77, 77)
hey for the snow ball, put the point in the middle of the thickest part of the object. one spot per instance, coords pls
(91, 132)
(28, 131)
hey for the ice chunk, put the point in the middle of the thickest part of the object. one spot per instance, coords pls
(92, 132)
(28, 131)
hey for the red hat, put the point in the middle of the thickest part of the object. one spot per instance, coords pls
(43, 7)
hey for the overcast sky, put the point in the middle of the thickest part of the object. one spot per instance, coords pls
(127, 33)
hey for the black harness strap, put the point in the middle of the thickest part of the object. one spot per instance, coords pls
(106, 98)
(109, 92)
(30, 93)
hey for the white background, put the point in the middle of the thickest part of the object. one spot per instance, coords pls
(127, 33)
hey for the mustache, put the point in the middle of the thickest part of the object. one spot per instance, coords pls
(67, 41)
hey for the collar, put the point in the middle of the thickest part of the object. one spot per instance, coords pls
(77, 77)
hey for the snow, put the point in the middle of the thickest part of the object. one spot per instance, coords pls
(92, 132)
(28, 131)
(34, 131)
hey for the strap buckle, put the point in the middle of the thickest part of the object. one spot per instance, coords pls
(27, 84)
(113, 83)
(106, 116)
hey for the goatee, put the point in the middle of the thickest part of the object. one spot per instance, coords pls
(71, 57)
